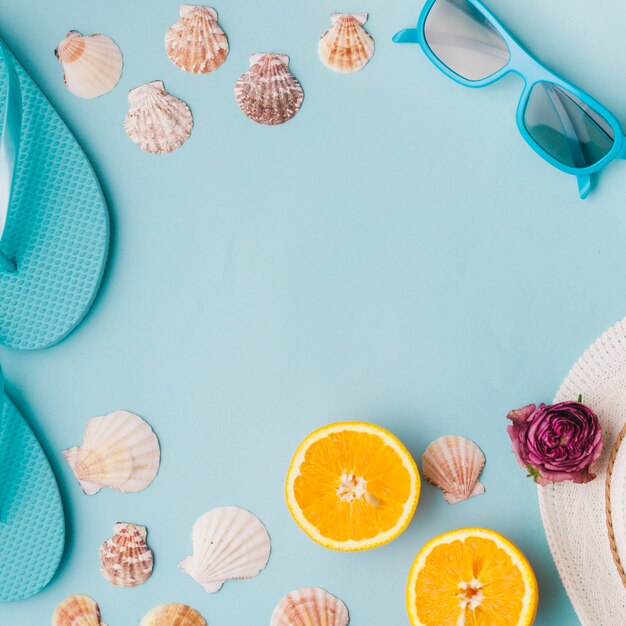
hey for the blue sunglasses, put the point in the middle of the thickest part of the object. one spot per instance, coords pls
(565, 126)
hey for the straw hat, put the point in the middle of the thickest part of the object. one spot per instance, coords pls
(589, 547)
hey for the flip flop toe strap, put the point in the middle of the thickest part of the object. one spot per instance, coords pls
(9, 147)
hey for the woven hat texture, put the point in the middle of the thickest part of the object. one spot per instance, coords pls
(573, 515)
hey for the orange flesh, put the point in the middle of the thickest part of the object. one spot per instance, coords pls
(352, 486)
(470, 583)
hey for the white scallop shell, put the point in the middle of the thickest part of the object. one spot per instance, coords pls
(310, 606)
(196, 43)
(172, 615)
(454, 463)
(119, 450)
(156, 121)
(228, 543)
(92, 64)
(77, 610)
(346, 46)
(125, 558)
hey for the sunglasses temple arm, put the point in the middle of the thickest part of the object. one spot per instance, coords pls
(584, 186)
(408, 35)
(622, 154)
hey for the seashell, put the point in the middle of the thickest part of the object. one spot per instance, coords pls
(125, 558)
(157, 122)
(228, 543)
(346, 46)
(453, 464)
(92, 64)
(119, 450)
(310, 606)
(173, 615)
(196, 43)
(77, 610)
(268, 92)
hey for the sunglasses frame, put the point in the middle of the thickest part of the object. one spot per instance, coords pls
(531, 71)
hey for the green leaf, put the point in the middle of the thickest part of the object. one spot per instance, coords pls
(533, 472)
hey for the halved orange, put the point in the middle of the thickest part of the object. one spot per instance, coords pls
(352, 486)
(474, 577)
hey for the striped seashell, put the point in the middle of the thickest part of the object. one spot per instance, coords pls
(77, 610)
(119, 451)
(173, 615)
(346, 46)
(157, 121)
(92, 64)
(268, 93)
(310, 606)
(454, 463)
(228, 543)
(196, 43)
(125, 558)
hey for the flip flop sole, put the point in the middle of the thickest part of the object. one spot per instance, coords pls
(32, 524)
(57, 229)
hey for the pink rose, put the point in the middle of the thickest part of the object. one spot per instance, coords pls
(556, 442)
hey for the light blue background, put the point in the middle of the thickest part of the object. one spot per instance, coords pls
(395, 253)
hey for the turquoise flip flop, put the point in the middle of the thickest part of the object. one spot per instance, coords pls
(32, 524)
(54, 224)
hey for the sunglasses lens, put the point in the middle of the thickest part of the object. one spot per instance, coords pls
(567, 128)
(464, 40)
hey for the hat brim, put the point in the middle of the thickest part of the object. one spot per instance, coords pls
(574, 516)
